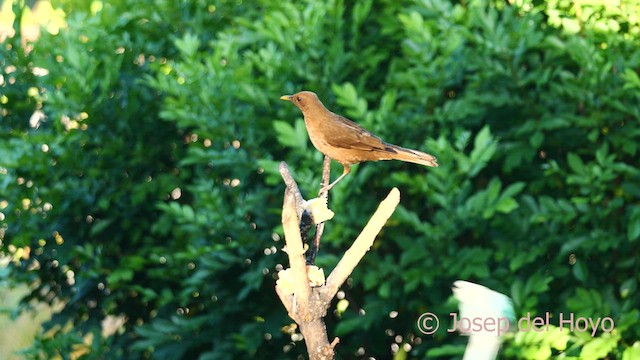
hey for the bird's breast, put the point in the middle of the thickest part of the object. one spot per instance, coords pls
(319, 131)
(318, 135)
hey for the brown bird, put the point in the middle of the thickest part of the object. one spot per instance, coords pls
(345, 141)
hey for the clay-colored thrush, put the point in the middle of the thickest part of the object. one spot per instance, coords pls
(345, 141)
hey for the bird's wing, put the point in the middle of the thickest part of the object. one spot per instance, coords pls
(479, 302)
(354, 136)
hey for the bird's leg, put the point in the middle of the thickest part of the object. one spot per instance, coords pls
(347, 170)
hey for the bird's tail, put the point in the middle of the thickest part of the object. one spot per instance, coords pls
(412, 156)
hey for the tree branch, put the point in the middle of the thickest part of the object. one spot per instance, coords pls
(326, 178)
(294, 247)
(305, 305)
(293, 186)
(362, 244)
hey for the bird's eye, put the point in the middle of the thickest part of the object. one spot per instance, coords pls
(299, 98)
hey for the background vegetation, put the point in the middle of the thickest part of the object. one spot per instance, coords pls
(138, 180)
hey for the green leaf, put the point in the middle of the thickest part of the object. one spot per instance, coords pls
(633, 352)
(484, 146)
(580, 270)
(506, 205)
(120, 275)
(586, 303)
(513, 189)
(347, 96)
(536, 139)
(73, 57)
(559, 338)
(632, 80)
(628, 288)
(188, 45)
(601, 155)
(628, 320)
(384, 290)
(99, 226)
(633, 229)
(576, 164)
(599, 347)
(445, 351)
(361, 11)
(633, 232)
(290, 136)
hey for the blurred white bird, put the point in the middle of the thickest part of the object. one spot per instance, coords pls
(485, 315)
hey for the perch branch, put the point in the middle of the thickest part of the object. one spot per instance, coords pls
(326, 178)
(326, 173)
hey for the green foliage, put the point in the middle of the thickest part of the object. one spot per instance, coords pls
(149, 189)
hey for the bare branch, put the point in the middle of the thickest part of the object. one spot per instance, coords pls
(295, 250)
(287, 301)
(291, 184)
(305, 305)
(362, 244)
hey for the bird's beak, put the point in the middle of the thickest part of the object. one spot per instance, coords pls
(286, 97)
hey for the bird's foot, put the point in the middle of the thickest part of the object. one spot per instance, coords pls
(325, 189)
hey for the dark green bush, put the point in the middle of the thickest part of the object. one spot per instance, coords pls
(151, 190)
